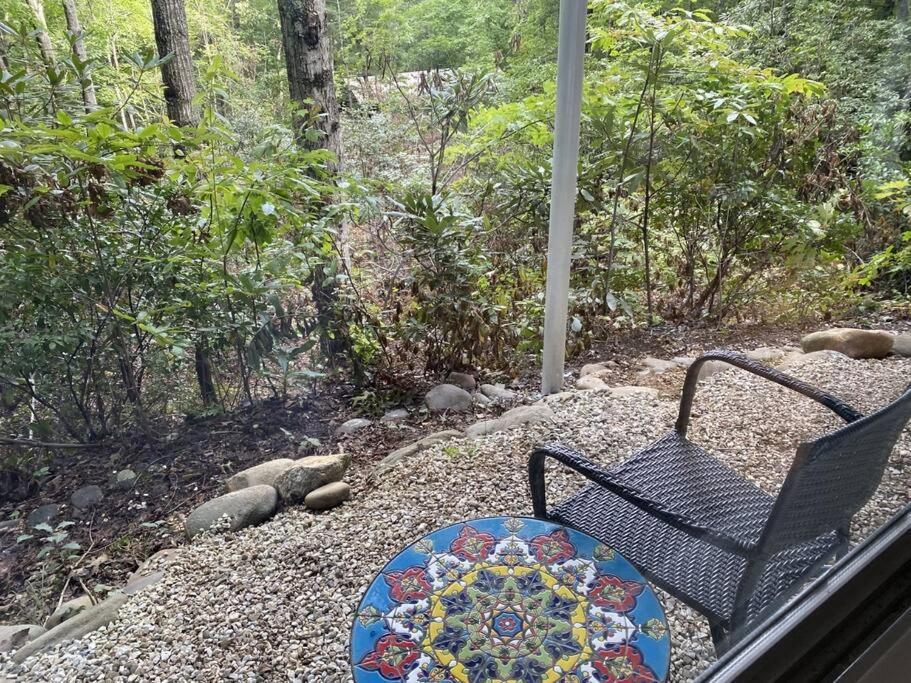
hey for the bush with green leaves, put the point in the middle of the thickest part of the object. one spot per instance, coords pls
(693, 187)
(133, 259)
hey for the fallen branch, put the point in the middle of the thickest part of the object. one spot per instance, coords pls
(41, 444)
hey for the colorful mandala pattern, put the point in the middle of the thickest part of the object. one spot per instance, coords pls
(509, 600)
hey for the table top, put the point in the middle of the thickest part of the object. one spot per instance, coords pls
(509, 599)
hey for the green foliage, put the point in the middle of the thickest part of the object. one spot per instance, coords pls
(125, 253)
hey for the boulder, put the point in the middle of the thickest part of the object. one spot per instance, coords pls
(559, 397)
(86, 497)
(308, 474)
(683, 361)
(591, 383)
(624, 392)
(242, 508)
(46, 514)
(853, 343)
(512, 418)
(124, 480)
(161, 558)
(445, 397)
(258, 475)
(656, 366)
(765, 354)
(393, 459)
(481, 400)
(713, 367)
(83, 623)
(142, 582)
(68, 610)
(14, 637)
(592, 369)
(462, 380)
(328, 496)
(497, 392)
(797, 360)
(436, 437)
(901, 345)
(353, 425)
(396, 415)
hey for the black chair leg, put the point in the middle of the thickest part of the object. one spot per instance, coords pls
(719, 638)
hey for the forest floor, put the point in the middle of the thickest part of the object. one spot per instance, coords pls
(275, 602)
(187, 463)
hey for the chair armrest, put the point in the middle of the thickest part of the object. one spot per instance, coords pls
(833, 403)
(579, 463)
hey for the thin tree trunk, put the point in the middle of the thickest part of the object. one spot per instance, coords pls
(85, 80)
(42, 36)
(204, 374)
(115, 64)
(648, 187)
(308, 59)
(172, 38)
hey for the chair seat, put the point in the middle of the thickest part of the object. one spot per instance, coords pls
(690, 481)
(701, 574)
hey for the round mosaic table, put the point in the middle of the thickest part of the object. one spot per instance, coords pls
(509, 599)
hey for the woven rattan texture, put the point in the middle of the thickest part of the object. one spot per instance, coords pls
(707, 535)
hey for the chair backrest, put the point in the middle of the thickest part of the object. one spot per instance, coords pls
(833, 477)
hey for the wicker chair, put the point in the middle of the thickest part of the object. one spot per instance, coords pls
(708, 536)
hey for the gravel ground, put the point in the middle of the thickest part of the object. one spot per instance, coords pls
(275, 603)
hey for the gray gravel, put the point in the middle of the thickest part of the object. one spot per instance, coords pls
(275, 603)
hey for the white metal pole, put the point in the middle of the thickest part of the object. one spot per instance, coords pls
(570, 58)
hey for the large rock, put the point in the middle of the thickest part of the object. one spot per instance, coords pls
(400, 454)
(462, 380)
(394, 458)
(46, 514)
(308, 474)
(851, 342)
(68, 610)
(264, 473)
(591, 383)
(901, 345)
(497, 392)
(14, 637)
(796, 360)
(445, 397)
(242, 509)
(512, 418)
(657, 366)
(437, 437)
(766, 354)
(592, 369)
(713, 367)
(86, 497)
(328, 496)
(162, 558)
(83, 623)
(123, 480)
(396, 415)
(353, 425)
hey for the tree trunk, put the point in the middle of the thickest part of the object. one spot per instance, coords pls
(42, 36)
(172, 38)
(204, 374)
(308, 59)
(902, 12)
(81, 56)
